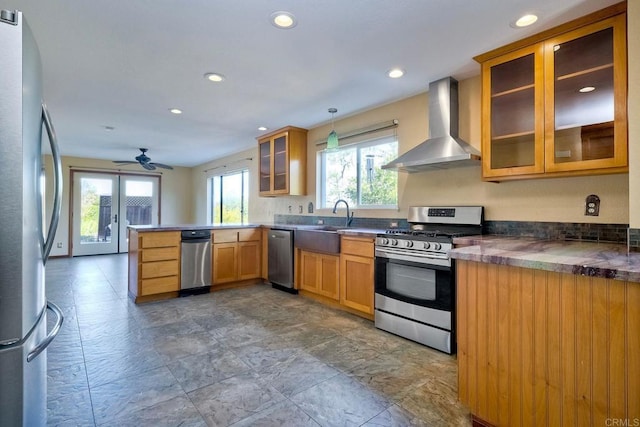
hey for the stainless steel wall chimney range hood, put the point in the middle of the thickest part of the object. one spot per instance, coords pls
(443, 149)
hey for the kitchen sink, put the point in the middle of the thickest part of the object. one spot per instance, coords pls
(320, 238)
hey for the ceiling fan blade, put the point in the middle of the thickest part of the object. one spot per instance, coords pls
(148, 166)
(125, 162)
(161, 165)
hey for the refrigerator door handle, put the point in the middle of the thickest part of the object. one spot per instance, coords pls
(57, 194)
(54, 331)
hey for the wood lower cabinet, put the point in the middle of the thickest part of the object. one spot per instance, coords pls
(237, 255)
(542, 348)
(154, 264)
(249, 260)
(319, 273)
(357, 274)
(225, 263)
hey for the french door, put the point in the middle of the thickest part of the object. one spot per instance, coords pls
(104, 204)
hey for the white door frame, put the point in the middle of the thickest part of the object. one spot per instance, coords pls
(119, 223)
(123, 237)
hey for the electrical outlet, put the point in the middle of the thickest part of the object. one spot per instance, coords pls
(393, 224)
(59, 244)
(592, 205)
(320, 222)
(299, 208)
(289, 208)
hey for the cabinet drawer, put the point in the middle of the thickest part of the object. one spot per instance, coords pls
(353, 246)
(159, 285)
(161, 239)
(160, 254)
(248, 235)
(225, 236)
(159, 269)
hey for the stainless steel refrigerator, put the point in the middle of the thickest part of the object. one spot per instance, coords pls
(23, 247)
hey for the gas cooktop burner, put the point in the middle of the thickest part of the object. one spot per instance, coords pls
(422, 233)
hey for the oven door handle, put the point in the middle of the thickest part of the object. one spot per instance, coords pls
(448, 263)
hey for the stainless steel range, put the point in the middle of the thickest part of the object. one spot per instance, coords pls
(415, 277)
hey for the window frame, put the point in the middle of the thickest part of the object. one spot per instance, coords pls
(244, 196)
(321, 174)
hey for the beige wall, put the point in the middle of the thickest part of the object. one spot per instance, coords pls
(633, 37)
(176, 196)
(556, 199)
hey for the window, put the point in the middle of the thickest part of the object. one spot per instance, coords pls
(229, 198)
(353, 173)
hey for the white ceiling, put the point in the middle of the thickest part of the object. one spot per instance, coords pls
(125, 63)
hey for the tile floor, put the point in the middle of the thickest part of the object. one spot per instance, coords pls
(245, 357)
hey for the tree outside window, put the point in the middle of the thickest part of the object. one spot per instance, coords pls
(229, 198)
(353, 173)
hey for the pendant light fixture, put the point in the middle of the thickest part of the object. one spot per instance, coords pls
(332, 139)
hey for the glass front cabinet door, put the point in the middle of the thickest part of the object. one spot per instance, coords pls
(283, 159)
(585, 105)
(557, 107)
(513, 133)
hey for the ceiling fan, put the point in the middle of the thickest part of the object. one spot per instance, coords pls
(144, 161)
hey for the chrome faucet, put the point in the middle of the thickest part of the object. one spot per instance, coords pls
(349, 217)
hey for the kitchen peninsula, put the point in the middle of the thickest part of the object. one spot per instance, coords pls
(239, 258)
(548, 331)
(154, 258)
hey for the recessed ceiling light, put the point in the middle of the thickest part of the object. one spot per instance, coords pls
(283, 19)
(587, 89)
(395, 73)
(214, 77)
(261, 128)
(175, 110)
(525, 20)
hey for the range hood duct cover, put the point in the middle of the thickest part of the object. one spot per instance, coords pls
(444, 149)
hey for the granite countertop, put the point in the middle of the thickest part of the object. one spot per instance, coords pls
(180, 227)
(350, 231)
(606, 260)
(358, 232)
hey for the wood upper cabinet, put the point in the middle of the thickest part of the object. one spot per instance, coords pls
(236, 255)
(154, 263)
(283, 162)
(555, 104)
(319, 273)
(357, 274)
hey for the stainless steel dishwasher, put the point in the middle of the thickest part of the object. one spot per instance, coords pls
(195, 263)
(280, 248)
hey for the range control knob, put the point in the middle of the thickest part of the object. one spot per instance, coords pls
(408, 243)
(394, 242)
(384, 241)
(437, 246)
(426, 245)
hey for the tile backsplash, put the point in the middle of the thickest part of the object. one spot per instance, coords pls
(543, 230)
